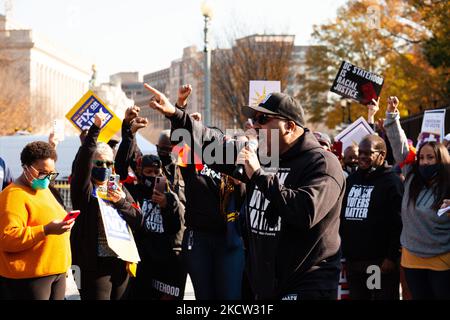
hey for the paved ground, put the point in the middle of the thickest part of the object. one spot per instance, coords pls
(72, 291)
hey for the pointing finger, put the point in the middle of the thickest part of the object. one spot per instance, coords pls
(152, 90)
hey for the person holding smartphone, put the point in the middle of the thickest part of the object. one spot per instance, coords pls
(160, 274)
(34, 240)
(104, 275)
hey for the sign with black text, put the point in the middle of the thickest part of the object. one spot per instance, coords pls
(356, 83)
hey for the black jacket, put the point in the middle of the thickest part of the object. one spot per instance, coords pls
(84, 234)
(292, 216)
(370, 218)
(160, 231)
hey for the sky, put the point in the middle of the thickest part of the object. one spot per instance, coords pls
(146, 35)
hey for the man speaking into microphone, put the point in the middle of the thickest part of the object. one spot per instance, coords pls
(291, 211)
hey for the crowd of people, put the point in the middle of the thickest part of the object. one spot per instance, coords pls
(240, 229)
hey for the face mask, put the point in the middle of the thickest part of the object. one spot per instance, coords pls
(350, 168)
(100, 174)
(38, 184)
(430, 171)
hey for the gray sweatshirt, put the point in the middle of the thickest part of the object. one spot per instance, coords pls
(424, 233)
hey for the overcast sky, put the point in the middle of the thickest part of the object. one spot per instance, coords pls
(145, 36)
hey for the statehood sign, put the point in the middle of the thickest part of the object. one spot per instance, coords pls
(356, 83)
(83, 112)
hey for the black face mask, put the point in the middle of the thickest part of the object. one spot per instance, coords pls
(148, 184)
(428, 172)
(100, 174)
(350, 168)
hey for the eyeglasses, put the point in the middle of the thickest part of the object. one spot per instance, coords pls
(265, 118)
(52, 175)
(102, 163)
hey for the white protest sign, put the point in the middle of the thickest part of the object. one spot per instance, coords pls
(58, 129)
(259, 90)
(118, 233)
(433, 126)
(354, 133)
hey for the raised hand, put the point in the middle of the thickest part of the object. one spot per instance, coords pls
(393, 103)
(197, 116)
(159, 102)
(183, 94)
(131, 113)
(373, 108)
(99, 119)
(138, 123)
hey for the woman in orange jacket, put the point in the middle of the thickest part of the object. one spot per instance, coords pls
(34, 239)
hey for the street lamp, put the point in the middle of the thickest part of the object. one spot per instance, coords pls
(207, 14)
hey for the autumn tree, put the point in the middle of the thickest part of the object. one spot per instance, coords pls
(256, 57)
(384, 37)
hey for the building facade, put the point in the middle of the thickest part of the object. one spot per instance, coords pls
(52, 79)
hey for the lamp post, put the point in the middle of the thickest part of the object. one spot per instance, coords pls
(207, 15)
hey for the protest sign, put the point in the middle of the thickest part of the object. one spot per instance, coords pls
(58, 129)
(83, 112)
(354, 133)
(118, 233)
(259, 90)
(356, 83)
(433, 126)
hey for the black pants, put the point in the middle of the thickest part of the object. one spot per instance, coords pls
(163, 279)
(43, 288)
(108, 282)
(357, 282)
(427, 284)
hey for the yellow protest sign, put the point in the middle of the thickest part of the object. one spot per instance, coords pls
(83, 112)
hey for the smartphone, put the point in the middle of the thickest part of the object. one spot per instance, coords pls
(160, 184)
(113, 182)
(72, 215)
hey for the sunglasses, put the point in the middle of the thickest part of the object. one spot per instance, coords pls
(52, 175)
(102, 163)
(265, 118)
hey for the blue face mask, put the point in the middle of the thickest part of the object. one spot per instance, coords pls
(100, 174)
(39, 184)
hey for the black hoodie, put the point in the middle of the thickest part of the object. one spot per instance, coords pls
(370, 218)
(292, 216)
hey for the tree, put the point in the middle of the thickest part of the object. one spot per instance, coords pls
(13, 98)
(256, 57)
(384, 37)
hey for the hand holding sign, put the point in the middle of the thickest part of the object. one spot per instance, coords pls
(183, 94)
(393, 103)
(159, 102)
(99, 118)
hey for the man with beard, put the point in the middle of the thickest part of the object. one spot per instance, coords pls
(371, 224)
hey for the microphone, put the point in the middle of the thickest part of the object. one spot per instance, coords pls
(252, 143)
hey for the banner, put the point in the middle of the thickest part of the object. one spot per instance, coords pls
(83, 112)
(433, 126)
(356, 83)
(118, 234)
(354, 133)
(259, 90)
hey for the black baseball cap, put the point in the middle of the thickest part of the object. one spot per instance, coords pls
(279, 104)
(151, 160)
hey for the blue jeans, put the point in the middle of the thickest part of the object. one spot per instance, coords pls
(215, 265)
